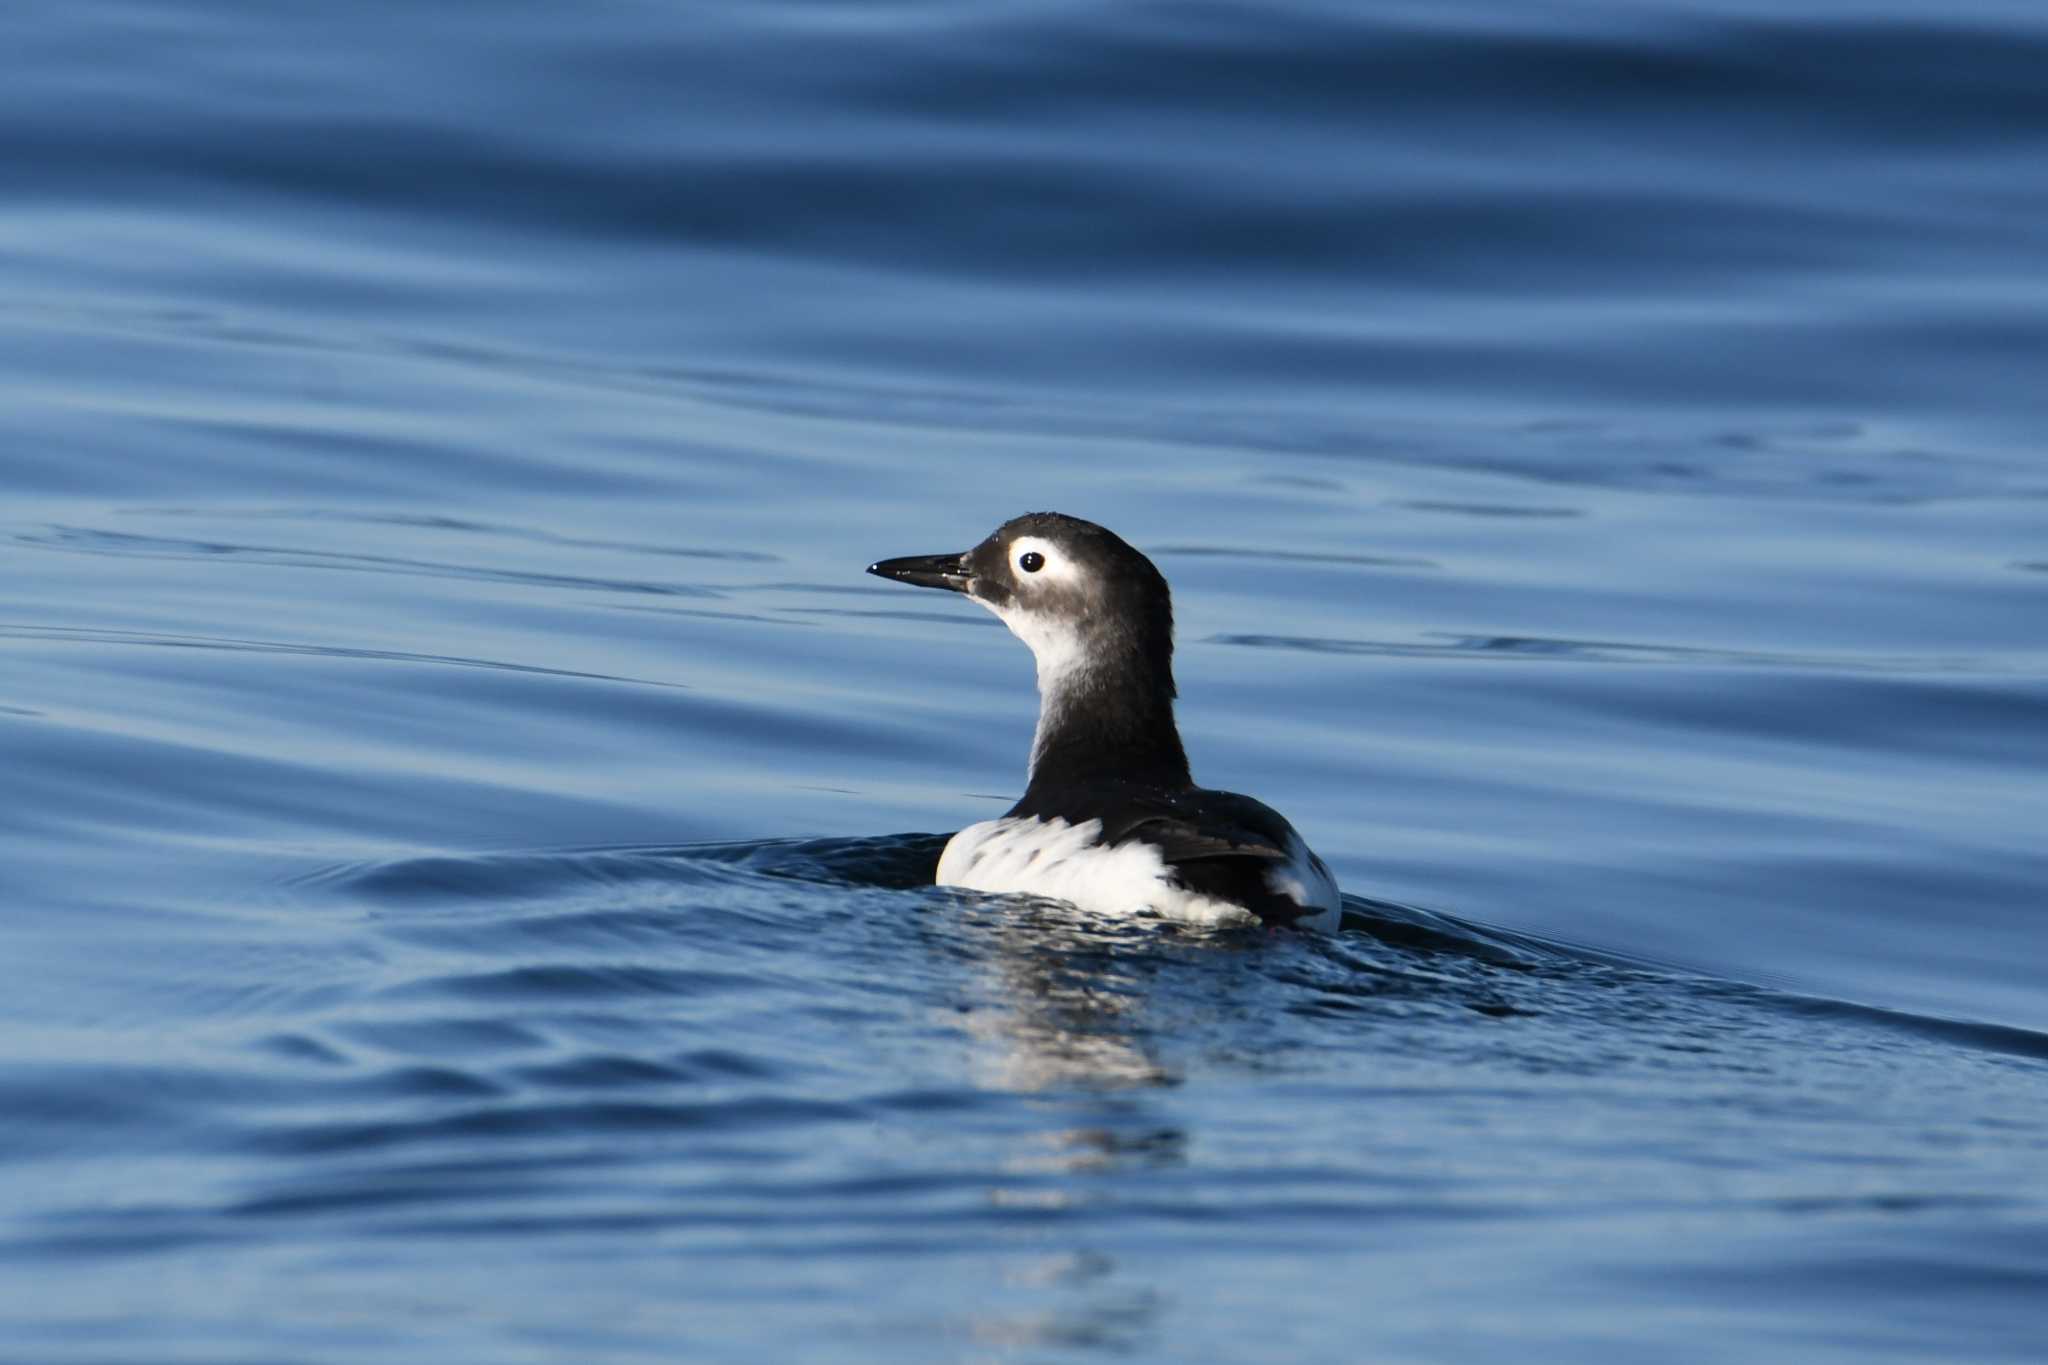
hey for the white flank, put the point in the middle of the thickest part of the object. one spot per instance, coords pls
(1063, 861)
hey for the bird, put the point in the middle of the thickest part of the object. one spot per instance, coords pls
(1111, 819)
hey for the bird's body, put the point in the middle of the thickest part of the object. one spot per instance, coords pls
(1111, 819)
(1207, 857)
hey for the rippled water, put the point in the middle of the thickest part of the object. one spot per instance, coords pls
(468, 817)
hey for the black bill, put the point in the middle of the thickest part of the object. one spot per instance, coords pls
(926, 571)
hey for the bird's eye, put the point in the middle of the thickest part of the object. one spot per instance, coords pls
(1031, 561)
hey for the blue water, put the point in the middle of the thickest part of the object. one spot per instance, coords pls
(467, 814)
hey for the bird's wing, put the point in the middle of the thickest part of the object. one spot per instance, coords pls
(1199, 832)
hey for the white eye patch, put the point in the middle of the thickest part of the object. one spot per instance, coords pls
(1034, 558)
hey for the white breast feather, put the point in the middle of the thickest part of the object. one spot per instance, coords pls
(1063, 861)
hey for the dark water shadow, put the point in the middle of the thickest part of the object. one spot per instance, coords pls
(92, 541)
(460, 525)
(1295, 556)
(1489, 509)
(1444, 644)
(94, 635)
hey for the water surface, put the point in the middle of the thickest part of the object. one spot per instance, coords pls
(468, 815)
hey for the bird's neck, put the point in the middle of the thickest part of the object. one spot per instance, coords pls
(1105, 710)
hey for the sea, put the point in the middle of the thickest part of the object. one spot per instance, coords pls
(467, 819)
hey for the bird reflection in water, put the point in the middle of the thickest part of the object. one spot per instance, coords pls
(1071, 996)
(1065, 1011)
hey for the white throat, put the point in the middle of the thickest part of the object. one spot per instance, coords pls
(1063, 658)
